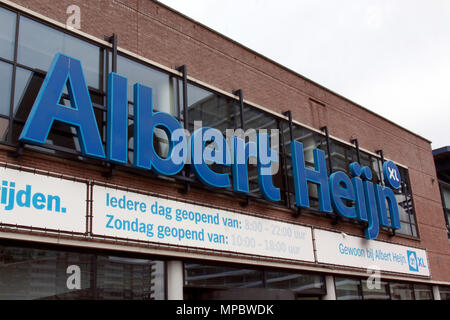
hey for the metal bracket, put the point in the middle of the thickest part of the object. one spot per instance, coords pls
(245, 203)
(111, 171)
(327, 140)
(18, 152)
(113, 40)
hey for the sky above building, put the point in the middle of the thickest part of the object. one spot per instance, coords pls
(392, 57)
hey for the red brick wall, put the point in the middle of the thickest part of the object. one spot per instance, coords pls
(160, 34)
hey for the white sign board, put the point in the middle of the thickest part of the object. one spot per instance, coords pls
(136, 216)
(336, 248)
(40, 201)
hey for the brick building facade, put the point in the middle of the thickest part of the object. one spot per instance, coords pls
(155, 35)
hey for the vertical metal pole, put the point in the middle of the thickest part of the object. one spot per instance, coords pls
(113, 40)
(331, 290)
(291, 130)
(327, 140)
(358, 155)
(336, 217)
(283, 158)
(114, 53)
(240, 94)
(187, 169)
(291, 134)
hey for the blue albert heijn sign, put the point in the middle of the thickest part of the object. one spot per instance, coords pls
(354, 197)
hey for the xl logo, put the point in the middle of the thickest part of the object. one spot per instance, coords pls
(391, 174)
(414, 262)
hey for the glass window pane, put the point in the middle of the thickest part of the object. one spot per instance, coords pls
(217, 276)
(7, 33)
(446, 197)
(39, 51)
(401, 291)
(28, 273)
(5, 88)
(445, 293)
(423, 292)
(347, 289)
(300, 283)
(378, 291)
(163, 88)
(212, 110)
(26, 90)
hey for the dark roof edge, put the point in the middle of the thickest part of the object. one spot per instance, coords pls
(441, 151)
(289, 70)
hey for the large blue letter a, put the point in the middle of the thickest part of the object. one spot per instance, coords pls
(46, 109)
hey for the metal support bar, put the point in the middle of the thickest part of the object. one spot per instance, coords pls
(111, 170)
(113, 40)
(335, 217)
(291, 128)
(240, 93)
(381, 153)
(358, 155)
(187, 169)
(327, 139)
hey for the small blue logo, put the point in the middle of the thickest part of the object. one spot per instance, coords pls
(412, 261)
(391, 174)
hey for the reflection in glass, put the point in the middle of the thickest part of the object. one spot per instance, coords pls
(218, 276)
(379, 291)
(5, 88)
(445, 293)
(27, 273)
(347, 289)
(39, 51)
(26, 90)
(300, 283)
(161, 84)
(4, 125)
(7, 33)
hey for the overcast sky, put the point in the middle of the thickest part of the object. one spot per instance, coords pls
(390, 56)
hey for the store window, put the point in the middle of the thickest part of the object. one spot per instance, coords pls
(375, 291)
(401, 291)
(444, 292)
(223, 282)
(30, 273)
(423, 292)
(7, 33)
(348, 289)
